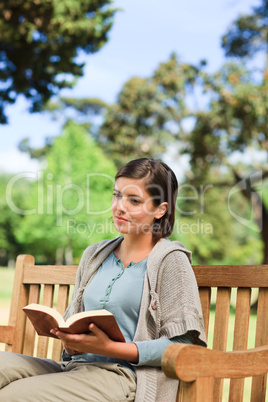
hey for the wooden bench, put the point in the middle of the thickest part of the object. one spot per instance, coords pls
(200, 370)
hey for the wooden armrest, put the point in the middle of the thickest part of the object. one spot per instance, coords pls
(6, 334)
(189, 362)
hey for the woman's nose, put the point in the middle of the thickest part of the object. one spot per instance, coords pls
(121, 204)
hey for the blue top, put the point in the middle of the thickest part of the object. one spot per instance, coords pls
(119, 290)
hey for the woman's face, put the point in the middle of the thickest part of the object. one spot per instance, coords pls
(132, 207)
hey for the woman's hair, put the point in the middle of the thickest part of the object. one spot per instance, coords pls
(161, 183)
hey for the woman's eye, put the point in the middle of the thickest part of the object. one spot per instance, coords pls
(116, 195)
(135, 201)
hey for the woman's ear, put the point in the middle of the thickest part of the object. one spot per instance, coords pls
(161, 210)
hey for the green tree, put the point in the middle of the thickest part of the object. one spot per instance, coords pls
(205, 225)
(71, 199)
(144, 121)
(40, 45)
(167, 112)
(236, 121)
(153, 116)
(81, 110)
(146, 118)
(12, 203)
(248, 34)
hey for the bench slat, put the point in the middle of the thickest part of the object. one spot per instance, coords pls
(232, 275)
(30, 334)
(221, 331)
(240, 338)
(62, 303)
(50, 275)
(42, 346)
(259, 383)
(205, 295)
(20, 294)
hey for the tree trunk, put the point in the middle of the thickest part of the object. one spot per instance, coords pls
(259, 210)
(69, 255)
(59, 256)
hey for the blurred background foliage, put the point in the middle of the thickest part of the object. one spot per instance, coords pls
(181, 113)
(70, 199)
(40, 45)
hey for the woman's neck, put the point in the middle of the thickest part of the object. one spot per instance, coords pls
(134, 248)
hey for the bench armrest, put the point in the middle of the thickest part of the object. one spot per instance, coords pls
(6, 334)
(201, 371)
(189, 362)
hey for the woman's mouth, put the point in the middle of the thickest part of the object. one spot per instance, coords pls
(121, 219)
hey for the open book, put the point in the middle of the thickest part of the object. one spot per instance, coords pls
(45, 318)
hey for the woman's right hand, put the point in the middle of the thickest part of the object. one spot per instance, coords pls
(67, 350)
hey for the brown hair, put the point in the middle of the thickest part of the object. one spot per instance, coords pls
(161, 184)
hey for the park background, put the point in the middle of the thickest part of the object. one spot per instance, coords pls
(183, 82)
(186, 83)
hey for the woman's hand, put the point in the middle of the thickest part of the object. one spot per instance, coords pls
(97, 342)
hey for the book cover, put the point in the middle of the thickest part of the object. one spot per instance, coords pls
(45, 318)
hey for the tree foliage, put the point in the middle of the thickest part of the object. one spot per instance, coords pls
(236, 120)
(40, 44)
(11, 217)
(248, 34)
(215, 119)
(206, 224)
(153, 113)
(71, 199)
(146, 117)
(35, 153)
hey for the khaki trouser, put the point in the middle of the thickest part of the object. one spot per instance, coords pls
(29, 379)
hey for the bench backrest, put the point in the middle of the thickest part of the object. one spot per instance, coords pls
(234, 288)
(45, 284)
(223, 289)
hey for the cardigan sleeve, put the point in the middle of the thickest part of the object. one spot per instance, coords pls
(151, 352)
(179, 302)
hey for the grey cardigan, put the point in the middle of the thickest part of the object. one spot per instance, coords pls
(170, 306)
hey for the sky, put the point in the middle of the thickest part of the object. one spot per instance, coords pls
(144, 34)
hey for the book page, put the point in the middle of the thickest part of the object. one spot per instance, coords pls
(83, 314)
(47, 310)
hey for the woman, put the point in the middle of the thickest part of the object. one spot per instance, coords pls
(146, 281)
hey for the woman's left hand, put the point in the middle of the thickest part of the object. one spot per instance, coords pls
(95, 342)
